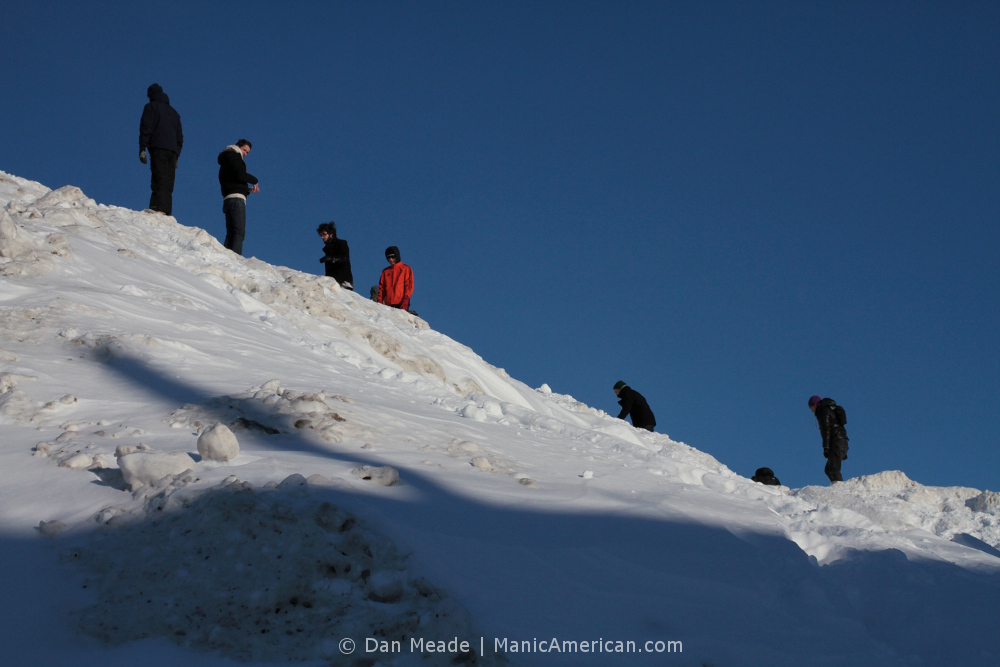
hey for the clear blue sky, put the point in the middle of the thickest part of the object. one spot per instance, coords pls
(731, 206)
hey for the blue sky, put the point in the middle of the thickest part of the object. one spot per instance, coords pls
(731, 206)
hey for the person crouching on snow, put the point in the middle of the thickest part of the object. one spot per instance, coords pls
(395, 287)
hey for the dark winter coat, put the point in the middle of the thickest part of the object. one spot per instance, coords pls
(233, 176)
(634, 404)
(831, 419)
(160, 126)
(337, 256)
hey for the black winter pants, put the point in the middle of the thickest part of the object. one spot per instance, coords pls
(835, 456)
(236, 223)
(163, 165)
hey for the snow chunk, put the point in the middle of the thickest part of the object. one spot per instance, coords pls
(384, 475)
(51, 528)
(77, 461)
(482, 463)
(987, 501)
(218, 443)
(146, 467)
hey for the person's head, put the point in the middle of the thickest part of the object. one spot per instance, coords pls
(244, 146)
(153, 90)
(619, 386)
(324, 230)
(813, 402)
(392, 254)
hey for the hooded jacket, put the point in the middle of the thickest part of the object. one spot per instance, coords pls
(633, 403)
(233, 176)
(160, 125)
(395, 287)
(831, 419)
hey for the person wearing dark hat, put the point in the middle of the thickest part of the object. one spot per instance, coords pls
(634, 404)
(160, 132)
(236, 186)
(395, 287)
(831, 420)
(337, 255)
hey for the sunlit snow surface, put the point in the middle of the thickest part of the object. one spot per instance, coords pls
(520, 515)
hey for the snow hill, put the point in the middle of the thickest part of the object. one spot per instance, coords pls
(392, 486)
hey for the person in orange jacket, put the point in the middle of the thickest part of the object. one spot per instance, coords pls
(395, 287)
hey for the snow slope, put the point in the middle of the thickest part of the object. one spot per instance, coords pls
(520, 515)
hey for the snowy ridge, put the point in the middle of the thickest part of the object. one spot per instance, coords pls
(519, 513)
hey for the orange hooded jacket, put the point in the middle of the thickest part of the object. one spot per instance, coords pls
(395, 287)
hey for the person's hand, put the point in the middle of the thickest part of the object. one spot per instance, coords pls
(826, 452)
(142, 156)
(255, 188)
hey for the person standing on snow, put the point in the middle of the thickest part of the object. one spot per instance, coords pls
(337, 255)
(236, 184)
(160, 132)
(634, 404)
(395, 287)
(831, 419)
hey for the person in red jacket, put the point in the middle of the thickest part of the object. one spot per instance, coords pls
(395, 287)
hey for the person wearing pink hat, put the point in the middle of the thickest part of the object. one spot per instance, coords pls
(831, 419)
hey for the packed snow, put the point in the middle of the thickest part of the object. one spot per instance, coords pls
(209, 460)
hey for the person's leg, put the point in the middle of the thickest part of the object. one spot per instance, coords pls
(832, 468)
(648, 428)
(236, 222)
(167, 196)
(159, 165)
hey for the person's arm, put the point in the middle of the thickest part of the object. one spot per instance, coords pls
(408, 284)
(381, 288)
(626, 403)
(826, 420)
(146, 126)
(180, 136)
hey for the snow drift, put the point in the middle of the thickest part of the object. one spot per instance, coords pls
(382, 483)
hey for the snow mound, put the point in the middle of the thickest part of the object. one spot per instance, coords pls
(218, 444)
(144, 468)
(257, 576)
(893, 501)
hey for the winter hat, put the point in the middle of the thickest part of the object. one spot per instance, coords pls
(813, 400)
(392, 251)
(620, 384)
(152, 90)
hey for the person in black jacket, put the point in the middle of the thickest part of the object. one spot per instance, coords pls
(831, 419)
(236, 184)
(634, 404)
(160, 132)
(336, 255)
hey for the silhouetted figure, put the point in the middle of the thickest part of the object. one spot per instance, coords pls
(634, 404)
(336, 255)
(160, 132)
(831, 419)
(236, 185)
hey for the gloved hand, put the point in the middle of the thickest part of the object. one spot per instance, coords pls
(826, 452)
(142, 156)
(322, 260)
